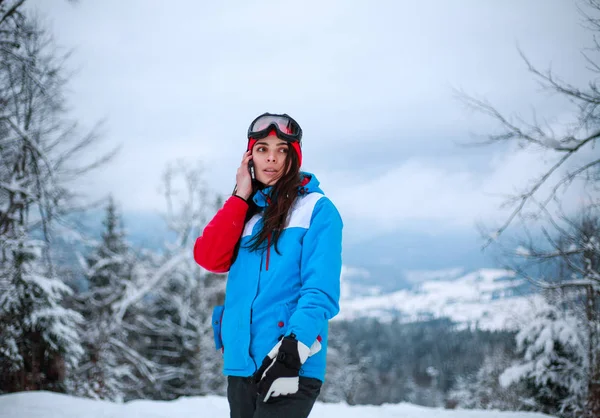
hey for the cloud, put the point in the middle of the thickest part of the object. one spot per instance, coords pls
(371, 86)
(443, 191)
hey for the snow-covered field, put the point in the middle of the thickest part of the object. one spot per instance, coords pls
(53, 405)
(487, 298)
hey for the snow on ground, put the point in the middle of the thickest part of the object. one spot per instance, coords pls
(54, 405)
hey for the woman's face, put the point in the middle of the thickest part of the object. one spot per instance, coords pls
(269, 155)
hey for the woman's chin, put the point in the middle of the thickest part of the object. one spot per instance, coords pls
(268, 180)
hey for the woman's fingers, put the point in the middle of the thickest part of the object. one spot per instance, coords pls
(243, 178)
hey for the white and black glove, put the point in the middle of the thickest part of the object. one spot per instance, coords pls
(279, 371)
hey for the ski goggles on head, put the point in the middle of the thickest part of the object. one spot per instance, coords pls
(285, 127)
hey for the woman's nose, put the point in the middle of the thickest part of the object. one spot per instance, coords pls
(271, 157)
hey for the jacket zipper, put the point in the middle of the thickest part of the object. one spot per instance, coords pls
(252, 304)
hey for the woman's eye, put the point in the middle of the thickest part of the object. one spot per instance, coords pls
(283, 150)
(260, 149)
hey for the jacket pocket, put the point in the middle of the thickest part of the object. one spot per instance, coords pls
(217, 320)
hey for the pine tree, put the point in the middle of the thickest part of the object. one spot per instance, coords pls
(553, 363)
(38, 336)
(482, 390)
(105, 372)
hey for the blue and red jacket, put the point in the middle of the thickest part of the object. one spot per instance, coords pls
(269, 294)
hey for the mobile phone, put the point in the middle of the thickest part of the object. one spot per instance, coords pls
(251, 169)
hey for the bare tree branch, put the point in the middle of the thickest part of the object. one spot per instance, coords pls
(525, 197)
(569, 177)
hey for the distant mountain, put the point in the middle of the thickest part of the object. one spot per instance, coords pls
(390, 256)
(486, 298)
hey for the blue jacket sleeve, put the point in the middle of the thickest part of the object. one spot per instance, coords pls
(320, 273)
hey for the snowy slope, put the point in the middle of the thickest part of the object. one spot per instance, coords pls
(53, 405)
(491, 299)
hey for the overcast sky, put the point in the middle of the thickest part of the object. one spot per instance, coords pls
(370, 82)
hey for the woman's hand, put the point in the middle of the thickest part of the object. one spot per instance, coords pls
(243, 179)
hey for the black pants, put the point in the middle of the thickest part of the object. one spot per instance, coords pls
(244, 402)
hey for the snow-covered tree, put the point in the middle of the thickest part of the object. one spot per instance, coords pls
(177, 312)
(38, 152)
(482, 390)
(568, 274)
(11, 19)
(38, 336)
(190, 204)
(106, 370)
(345, 372)
(553, 364)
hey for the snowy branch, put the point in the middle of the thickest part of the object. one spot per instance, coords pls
(11, 11)
(39, 153)
(135, 294)
(16, 187)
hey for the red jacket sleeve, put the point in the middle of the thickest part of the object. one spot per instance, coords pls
(214, 248)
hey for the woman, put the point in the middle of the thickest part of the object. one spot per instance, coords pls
(280, 239)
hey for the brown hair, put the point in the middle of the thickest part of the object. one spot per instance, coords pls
(283, 195)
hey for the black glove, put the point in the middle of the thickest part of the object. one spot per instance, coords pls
(279, 371)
